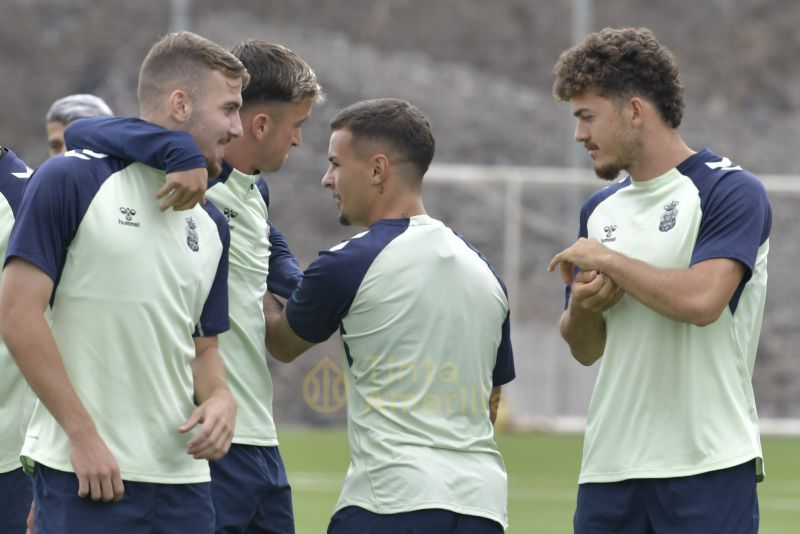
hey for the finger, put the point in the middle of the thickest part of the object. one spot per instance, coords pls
(554, 261)
(567, 272)
(107, 488)
(165, 190)
(194, 420)
(95, 488)
(176, 198)
(118, 486)
(83, 486)
(190, 202)
(584, 277)
(197, 442)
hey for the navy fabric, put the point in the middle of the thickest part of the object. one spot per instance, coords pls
(133, 139)
(355, 520)
(330, 283)
(145, 507)
(251, 493)
(717, 501)
(737, 217)
(214, 318)
(13, 178)
(53, 205)
(284, 271)
(16, 496)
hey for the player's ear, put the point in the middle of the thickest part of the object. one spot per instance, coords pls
(380, 169)
(179, 105)
(259, 125)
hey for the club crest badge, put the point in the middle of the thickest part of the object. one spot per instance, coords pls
(669, 217)
(192, 239)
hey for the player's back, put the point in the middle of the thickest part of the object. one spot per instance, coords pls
(421, 339)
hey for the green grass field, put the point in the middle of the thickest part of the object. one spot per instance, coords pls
(543, 472)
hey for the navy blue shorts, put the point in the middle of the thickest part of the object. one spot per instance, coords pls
(145, 508)
(355, 520)
(16, 495)
(717, 501)
(251, 492)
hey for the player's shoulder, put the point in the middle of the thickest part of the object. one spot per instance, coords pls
(359, 251)
(80, 165)
(601, 195)
(14, 174)
(719, 175)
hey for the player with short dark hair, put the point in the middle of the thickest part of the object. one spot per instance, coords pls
(666, 286)
(424, 321)
(132, 389)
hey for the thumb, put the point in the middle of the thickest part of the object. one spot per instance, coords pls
(194, 420)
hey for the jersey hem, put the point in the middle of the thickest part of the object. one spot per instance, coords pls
(135, 477)
(668, 473)
(258, 442)
(10, 466)
(424, 505)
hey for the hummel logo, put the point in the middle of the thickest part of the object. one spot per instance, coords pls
(129, 214)
(609, 230)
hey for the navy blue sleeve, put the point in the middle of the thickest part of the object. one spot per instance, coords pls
(737, 220)
(214, 317)
(329, 285)
(14, 174)
(133, 139)
(284, 271)
(504, 371)
(323, 297)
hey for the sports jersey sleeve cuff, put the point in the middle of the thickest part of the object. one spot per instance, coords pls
(306, 328)
(36, 261)
(713, 255)
(184, 155)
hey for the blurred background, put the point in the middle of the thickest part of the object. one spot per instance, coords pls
(507, 173)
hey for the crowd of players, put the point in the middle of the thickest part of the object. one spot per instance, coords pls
(144, 289)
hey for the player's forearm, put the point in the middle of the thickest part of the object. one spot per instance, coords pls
(696, 295)
(584, 332)
(35, 352)
(208, 371)
(494, 404)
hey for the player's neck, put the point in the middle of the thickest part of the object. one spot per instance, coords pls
(658, 154)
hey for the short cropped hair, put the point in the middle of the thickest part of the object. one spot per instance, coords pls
(619, 63)
(184, 60)
(276, 74)
(394, 122)
(79, 106)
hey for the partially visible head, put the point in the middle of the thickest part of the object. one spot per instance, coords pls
(190, 83)
(277, 101)
(373, 140)
(622, 63)
(609, 77)
(67, 109)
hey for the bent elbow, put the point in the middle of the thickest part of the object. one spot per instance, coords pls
(704, 314)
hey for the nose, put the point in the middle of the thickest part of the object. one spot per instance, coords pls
(327, 179)
(236, 129)
(581, 133)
